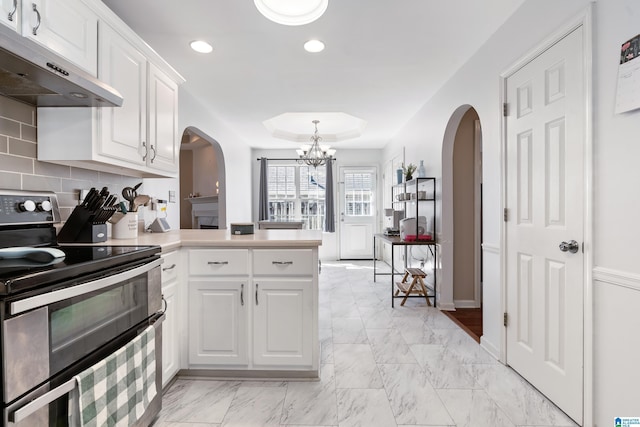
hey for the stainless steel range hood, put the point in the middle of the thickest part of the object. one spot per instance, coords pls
(34, 75)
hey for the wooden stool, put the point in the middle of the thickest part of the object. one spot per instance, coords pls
(416, 286)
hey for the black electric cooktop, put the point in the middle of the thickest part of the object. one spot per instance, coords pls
(80, 260)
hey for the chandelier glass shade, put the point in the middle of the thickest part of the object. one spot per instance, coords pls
(315, 154)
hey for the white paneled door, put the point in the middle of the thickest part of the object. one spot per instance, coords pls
(545, 207)
(357, 212)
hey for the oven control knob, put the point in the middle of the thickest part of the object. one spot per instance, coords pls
(44, 206)
(27, 206)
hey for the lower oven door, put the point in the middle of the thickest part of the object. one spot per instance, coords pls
(52, 331)
(56, 404)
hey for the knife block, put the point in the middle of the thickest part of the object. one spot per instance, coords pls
(80, 228)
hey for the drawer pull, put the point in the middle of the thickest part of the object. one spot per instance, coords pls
(282, 262)
(171, 267)
(218, 262)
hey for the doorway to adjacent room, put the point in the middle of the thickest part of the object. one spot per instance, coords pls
(202, 181)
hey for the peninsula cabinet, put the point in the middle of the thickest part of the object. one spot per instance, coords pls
(218, 309)
(253, 309)
(170, 327)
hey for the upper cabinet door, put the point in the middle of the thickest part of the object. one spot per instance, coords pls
(10, 13)
(67, 27)
(163, 121)
(123, 129)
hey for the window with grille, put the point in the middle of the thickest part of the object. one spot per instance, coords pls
(358, 193)
(297, 193)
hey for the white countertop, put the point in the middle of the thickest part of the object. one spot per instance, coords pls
(223, 238)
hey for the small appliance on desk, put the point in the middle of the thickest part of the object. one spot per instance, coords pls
(412, 229)
(396, 216)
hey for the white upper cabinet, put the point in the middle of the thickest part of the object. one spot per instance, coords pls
(163, 121)
(67, 27)
(10, 13)
(124, 129)
(141, 138)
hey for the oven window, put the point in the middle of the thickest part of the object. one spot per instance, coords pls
(82, 324)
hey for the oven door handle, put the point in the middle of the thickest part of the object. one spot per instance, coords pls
(30, 303)
(42, 401)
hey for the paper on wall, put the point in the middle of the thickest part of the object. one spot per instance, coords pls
(628, 93)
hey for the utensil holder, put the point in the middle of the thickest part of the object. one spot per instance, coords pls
(126, 228)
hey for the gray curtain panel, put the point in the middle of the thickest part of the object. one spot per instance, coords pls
(263, 201)
(330, 215)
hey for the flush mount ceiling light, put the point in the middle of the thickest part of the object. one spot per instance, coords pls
(292, 12)
(314, 46)
(201, 46)
(315, 154)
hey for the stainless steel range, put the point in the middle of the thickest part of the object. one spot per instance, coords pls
(65, 308)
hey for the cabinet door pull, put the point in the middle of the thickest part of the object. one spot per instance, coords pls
(35, 9)
(257, 294)
(282, 262)
(13, 12)
(171, 267)
(242, 294)
(218, 262)
(146, 151)
(153, 153)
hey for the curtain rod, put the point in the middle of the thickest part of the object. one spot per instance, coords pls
(292, 159)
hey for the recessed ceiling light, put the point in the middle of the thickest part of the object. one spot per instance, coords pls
(292, 12)
(201, 46)
(314, 46)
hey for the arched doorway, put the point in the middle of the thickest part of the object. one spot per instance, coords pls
(462, 217)
(202, 181)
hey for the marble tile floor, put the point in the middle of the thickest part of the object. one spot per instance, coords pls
(381, 367)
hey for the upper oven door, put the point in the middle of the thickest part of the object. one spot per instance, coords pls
(73, 322)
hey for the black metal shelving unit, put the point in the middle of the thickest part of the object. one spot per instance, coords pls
(415, 198)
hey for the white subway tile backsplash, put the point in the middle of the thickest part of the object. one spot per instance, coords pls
(22, 148)
(20, 169)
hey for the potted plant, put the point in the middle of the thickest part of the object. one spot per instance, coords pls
(408, 171)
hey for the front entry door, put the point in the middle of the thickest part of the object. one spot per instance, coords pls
(357, 212)
(545, 207)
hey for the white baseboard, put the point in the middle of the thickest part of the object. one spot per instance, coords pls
(447, 307)
(465, 303)
(491, 349)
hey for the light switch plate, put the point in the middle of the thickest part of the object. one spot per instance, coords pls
(172, 196)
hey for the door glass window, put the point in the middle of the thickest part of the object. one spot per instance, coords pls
(358, 193)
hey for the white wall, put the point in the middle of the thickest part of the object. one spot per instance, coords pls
(329, 249)
(616, 176)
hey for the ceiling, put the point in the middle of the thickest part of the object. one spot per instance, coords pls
(383, 60)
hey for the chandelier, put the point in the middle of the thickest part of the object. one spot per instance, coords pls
(315, 154)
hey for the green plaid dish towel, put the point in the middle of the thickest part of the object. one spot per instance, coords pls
(117, 390)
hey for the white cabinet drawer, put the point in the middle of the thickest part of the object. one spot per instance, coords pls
(298, 262)
(169, 267)
(234, 262)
